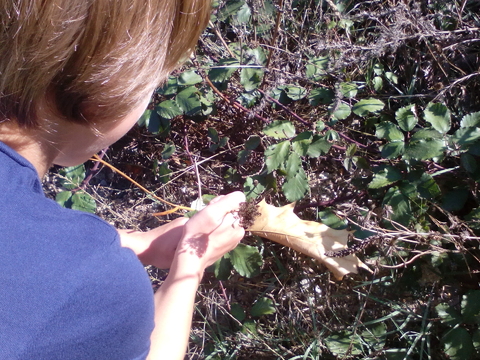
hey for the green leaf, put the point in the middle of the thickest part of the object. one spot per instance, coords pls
(367, 106)
(471, 307)
(295, 92)
(457, 344)
(406, 118)
(426, 186)
(388, 130)
(341, 111)
(425, 149)
(318, 146)
(385, 177)
(329, 218)
(426, 134)
(400, 206)
(316, 68)
(391, 77)
(339, 343)
(320, 96)
(64, 199)
(224, 69)
(253, 142)
(469, 163)
(163, 172)
(251, 78)
(348, 89)
(263, 306)
(393, 149)
(170, 87)
(213, 134)
(254, 186)
(455, 200)
(83, 202)
(244, 14)
(238, 312)
(246, 260)
(73, 176)
(301, 143)
(142, 121)
(189, 101)
(295, 187)
(439, 116)
(168, 109)
(377, 83)
(448, 314)
(280, 129)
(293, 164)
(168, 150)
(189, 77)
(471, 120)
(466, 136)
(223, 268)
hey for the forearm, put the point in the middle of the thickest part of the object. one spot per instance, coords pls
(174, 304)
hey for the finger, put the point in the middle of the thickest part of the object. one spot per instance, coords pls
(228, 203)
(215, 199)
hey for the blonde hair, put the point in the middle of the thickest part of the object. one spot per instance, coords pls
(90, 60)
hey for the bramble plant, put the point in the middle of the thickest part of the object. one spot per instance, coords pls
(367, 115)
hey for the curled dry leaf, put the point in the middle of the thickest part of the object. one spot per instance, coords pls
(281, 225)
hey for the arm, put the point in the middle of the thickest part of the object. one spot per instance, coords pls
(207, 236)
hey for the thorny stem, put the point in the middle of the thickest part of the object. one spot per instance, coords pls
(275, 34)
(175, 207)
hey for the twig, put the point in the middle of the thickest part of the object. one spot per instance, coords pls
(275, 34)
(221, 39)
(175, 207)
(195, 167)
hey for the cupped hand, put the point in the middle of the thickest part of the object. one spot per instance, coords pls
(211, 233)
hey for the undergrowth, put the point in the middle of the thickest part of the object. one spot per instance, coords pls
(367, 114)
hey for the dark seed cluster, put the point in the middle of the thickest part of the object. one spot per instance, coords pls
(248, 212)
(355, 248)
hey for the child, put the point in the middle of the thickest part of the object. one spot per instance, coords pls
(75, 75)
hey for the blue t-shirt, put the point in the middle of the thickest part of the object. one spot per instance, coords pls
(68, 290)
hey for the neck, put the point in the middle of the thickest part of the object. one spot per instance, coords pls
(33, 145)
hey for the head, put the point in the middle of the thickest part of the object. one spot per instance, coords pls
(90, 61)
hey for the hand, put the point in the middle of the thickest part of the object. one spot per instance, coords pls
(155, 247)
(211, 233)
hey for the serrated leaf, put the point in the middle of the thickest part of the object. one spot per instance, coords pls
(318, 146)
(280, 129)
(143, 120)
(427, 187)
(238, 312)
(329, 218)
(168, 109)
(341, 111)
(189, 77)
(223, 70)
(471, 120)
(377, 83)
(251, 78)
(301, 143)
(348, 89)
(223, 267)
(339, 343)
(320, 96)
(246, 260)
(73, 176)
(83, 202)
(455, 200)
(244, 14)
(448, 314)
(466, 136)
(257, 56)
(426, 134)
(168, 150)
(189, 101)
(406, 118)
(469, 163)
(471, 307)
(295, 187)
(263, 306)
(385, 177)
(400, 205)
(254, 186)
(457, 344)
(425, 149)
(439, 116)
(367, 106)
(393, 149)
(170, 87)
(63, 198)
(293, 164)
(316, 68)
(295, 92)
(389, 131)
